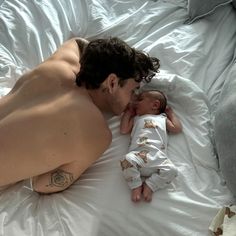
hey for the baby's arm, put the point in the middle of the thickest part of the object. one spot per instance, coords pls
(127, 120)
(173, 124)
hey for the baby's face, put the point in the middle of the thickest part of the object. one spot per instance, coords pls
(144, 104)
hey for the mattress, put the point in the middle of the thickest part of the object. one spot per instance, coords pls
(195, 59)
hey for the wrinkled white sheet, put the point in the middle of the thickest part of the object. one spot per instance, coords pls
(99, 204)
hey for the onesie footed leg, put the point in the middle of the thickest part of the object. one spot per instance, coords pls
(136, 194)
(147, 193)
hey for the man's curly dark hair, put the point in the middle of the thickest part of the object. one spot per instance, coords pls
(102, 57)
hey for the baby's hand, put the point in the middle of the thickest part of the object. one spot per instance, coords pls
(130, 109)
(168, 110)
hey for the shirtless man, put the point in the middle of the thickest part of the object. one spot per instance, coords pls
(52, 126)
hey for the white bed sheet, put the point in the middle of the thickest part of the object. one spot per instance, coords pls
(194, 59)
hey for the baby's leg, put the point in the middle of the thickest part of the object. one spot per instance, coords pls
(147, 193)
(136, 194)
(163, 176)
(132, 176)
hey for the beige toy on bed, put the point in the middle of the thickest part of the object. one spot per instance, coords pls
(224, 223)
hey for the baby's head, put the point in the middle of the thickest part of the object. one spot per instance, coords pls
(151, 102)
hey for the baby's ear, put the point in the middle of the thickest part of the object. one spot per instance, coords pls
(156, 104)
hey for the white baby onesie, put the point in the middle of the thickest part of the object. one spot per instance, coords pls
(147, 154)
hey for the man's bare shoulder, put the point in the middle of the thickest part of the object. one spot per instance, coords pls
(70, 51)
(65, 60)
(64, 63)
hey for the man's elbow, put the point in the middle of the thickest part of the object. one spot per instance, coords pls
(45, 189)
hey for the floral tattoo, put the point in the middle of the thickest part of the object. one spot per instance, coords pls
(61, 179)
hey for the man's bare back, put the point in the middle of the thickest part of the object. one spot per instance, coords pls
(31, 139)
(52, 130)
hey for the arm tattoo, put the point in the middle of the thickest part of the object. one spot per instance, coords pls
(60, 178)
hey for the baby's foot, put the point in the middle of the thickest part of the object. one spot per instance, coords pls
(147, 193)
(136, 194)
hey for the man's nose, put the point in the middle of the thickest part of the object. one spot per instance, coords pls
(134, 98)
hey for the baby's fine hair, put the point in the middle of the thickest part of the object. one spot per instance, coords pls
(160, 96)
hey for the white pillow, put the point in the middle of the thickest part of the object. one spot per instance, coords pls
(200, 8)
(225, 130)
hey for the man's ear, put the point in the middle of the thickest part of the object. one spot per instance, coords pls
(112, 83)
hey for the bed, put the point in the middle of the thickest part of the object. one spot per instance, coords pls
(197, 54)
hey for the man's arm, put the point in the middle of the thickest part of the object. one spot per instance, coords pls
(173, 124)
